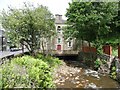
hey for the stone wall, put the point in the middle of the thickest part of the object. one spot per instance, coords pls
(87, 58)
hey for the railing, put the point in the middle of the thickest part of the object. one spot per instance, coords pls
(5, 54)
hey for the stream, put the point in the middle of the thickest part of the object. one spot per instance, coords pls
(72, 74)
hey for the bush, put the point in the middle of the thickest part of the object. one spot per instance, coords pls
(113, 73)
(97, 64)
(27, 72)
(51, 61)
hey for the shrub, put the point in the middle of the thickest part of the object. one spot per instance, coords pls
(97, 64)
(27, 72)
(51, 61)
(113, 73)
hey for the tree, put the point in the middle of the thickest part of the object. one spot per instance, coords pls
(29, 25)
(113, 37)
(90, 20)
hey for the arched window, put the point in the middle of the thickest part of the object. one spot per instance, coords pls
(58, 28)
(70, 39)
(69, 44)
(59, 40)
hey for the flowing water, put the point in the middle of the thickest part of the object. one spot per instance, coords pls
(79, 79)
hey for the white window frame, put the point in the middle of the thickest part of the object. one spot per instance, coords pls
(59, 40)
(69, 44)
(59, 29)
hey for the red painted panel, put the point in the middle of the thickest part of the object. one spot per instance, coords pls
(58, 47)
(89, 49)
(107, 49)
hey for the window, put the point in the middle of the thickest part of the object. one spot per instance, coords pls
(69, 44)
(59, 29)
(59, 40)
(70, 39)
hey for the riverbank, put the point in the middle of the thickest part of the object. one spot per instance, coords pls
(72, 75)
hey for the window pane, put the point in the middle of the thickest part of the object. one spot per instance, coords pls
(59, 40)
(59, 29)
(69, 44)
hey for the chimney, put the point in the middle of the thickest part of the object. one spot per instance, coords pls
(58, 17)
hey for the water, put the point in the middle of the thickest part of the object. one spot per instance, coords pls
(80, 80)
(104, 82)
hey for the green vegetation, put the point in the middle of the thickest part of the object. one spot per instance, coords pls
(28, 72)
(51, 61)
(95, 22)
(113, 73)
(29, 26)
(114, 52)
(97, 64)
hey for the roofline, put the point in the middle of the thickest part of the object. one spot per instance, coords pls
(58, 15)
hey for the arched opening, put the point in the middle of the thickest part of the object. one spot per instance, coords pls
(59, 29)
(70, 42)
(58, 47)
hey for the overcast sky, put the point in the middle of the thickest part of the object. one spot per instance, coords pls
(55, 6)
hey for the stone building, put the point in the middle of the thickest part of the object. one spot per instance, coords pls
(59, 43)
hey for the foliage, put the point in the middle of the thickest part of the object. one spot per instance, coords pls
(114, 52)
(51, 61)
(113, 73)
(29, 25)
(27, 72)
(90, 21)
(97, 63)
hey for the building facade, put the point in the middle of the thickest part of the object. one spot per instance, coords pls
(3, 41)
(59, 43)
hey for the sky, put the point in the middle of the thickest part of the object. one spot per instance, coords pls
(55, 6)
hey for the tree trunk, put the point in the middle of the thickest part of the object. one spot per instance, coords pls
(89, 46)
(22, 48)
(43, 48)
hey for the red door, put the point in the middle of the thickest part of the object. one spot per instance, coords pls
(58, 47)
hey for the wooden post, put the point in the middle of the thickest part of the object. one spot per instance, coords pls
(107, 49)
